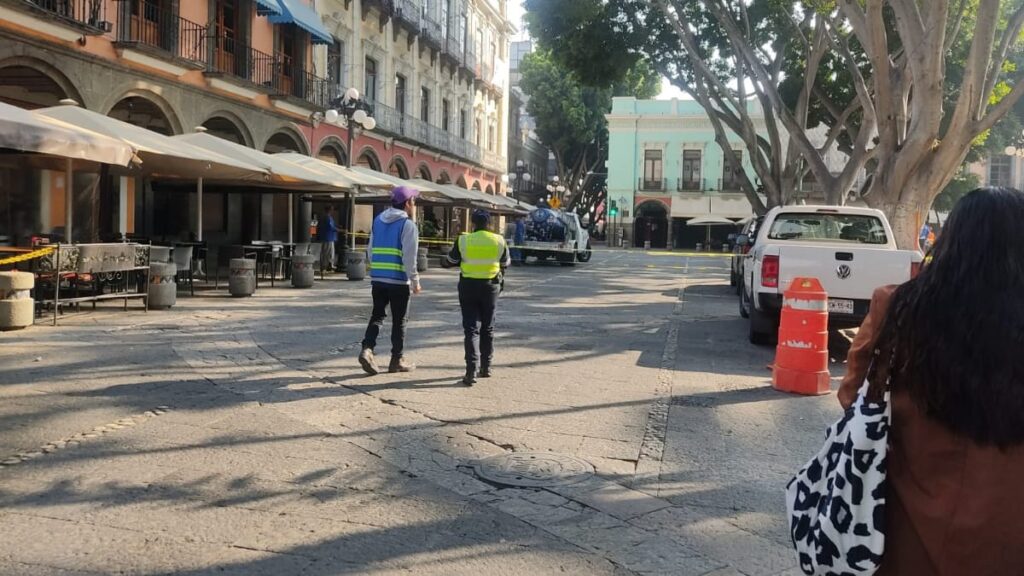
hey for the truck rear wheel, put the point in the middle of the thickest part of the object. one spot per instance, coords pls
(586, 254)
(764, 329)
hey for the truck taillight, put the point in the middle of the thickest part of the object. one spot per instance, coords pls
(915, 269)
(770, 272)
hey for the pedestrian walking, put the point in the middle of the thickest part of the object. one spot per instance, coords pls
(482, 256)
(392, 251)
(948, 345)
(519, 238)
(327, 234)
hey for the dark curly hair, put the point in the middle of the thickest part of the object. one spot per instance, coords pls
(954, 336)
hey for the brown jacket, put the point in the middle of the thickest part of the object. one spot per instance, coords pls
(953, 507)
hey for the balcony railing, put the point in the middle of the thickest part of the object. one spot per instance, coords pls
(453, 48)
(685, 185)
(316, 90)
(647, 185)
(431, 32)
(470, 62)
(147, 24)
(413, 129)
(386, 7)
(230, 56)
(409, 13)
(89, 13)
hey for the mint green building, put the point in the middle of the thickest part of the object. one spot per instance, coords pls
(664, 162)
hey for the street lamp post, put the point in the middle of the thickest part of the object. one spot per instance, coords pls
(556, 189)
(355, 110)
(520, 179)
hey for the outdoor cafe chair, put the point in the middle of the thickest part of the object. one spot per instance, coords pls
(183, 261)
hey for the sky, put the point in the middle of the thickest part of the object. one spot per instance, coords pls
(515, 15)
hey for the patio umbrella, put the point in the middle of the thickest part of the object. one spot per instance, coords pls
(22, 130)
(27, 132)
(709, 221)
(163, 156)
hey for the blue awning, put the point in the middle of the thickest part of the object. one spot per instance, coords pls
(268, 8)
(302, 15)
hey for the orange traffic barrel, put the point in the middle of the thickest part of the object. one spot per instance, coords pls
(801, 359)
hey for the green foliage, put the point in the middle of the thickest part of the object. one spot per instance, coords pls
(963, 183)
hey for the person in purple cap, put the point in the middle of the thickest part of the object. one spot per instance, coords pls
(394, 241)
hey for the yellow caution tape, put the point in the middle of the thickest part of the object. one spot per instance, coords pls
(27, 256)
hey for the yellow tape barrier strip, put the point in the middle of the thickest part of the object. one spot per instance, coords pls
(29, 256)
(690, 254)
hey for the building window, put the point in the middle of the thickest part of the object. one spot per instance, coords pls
(731, 175)
(446, 112)
(446, 8)
(477, 129)
(336, 63)
(370, 90)
(1000, 171)
(690, 179)
(492, 130)
(462, 124)
(652, 170)
(463, 30)
(424, 104)
(479, 48)
(400, 93)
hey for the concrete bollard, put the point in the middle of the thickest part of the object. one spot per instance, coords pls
(422, 264)
(242, 281)
(16, 304)
(302, 271)
(163, 292)
(355, 265)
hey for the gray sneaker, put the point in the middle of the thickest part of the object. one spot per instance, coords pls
(368, 363)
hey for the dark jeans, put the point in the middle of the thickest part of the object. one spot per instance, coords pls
(478, 299)
(396, 296)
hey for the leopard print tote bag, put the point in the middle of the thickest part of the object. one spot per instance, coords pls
(836, 502)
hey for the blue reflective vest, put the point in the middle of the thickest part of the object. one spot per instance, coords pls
(386, 256)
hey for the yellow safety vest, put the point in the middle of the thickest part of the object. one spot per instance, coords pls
(481, 254)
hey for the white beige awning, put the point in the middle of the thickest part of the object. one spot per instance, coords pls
(28, 132)
(162, 156)
(283, 172)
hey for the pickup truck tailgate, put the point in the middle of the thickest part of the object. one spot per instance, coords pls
(850, 272)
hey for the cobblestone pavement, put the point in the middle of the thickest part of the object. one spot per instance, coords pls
(239, 437)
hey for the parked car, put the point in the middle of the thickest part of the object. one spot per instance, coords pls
(851, 251)
(741, 244)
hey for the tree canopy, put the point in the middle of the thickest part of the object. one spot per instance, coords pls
(569, 116)
(906, 88)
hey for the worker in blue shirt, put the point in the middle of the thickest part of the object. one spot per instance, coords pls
(327, 234)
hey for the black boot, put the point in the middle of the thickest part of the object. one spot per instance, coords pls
(485, 372)
(470, 378)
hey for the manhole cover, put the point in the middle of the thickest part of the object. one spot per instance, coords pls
(534, 469)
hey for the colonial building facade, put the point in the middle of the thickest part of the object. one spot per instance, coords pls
(262, 72)
(665, 168)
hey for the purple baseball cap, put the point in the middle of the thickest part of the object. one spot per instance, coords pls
(402, 194)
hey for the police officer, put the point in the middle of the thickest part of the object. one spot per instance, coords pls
(482, 256)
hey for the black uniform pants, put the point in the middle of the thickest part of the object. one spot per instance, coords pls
(396, 296)
(478, 299)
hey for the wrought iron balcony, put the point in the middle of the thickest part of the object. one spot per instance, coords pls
(409, 13)
(453, 48)
(86, 13)
(431, 32)
(231, 57)
(147, 24)
(647, 185)
(689, 185)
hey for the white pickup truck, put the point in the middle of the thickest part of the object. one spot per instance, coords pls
(557, 234)
(851, 251)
